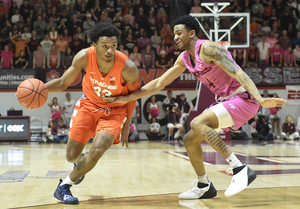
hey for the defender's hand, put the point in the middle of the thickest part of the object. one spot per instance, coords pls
(273, 102)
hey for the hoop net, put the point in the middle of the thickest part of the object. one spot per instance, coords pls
(226, 44)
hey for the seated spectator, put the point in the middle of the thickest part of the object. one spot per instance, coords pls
(124, 51)
(39, 58)
(67, 37)
(156, 39)
(49, 135)
(162, 47)
(143, 42)
(6, 58)
(21, 61)
(275, 118)
(260, 129)
(77, 44)
(163, 60)
(154, 130)
(133, 133)
(67, 58)
(136, 57)
(297, 55)
(53, 58)
(46, 44)
(288, 57)
(53, 35)
(285, 41)
(271, 39)
(264, 51)
(148, 58)
(60, 132)
(289, 131)
(174, 117)
(239, 134)
(276, 55)
(19, 44)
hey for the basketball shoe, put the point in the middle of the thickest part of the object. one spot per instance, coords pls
(201, 191)
(64, 194)
(81, 178)
(243, 177)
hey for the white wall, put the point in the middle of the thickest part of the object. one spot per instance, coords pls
(8, 99)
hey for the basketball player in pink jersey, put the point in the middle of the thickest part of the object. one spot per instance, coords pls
(237, 101)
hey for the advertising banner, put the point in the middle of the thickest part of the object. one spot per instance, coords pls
(11, 78)
(58, 72)
(293, 95)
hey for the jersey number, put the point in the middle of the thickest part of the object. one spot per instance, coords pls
(106, 93)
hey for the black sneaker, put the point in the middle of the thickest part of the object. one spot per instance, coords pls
(64, 194)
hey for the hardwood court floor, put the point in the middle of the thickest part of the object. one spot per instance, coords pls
(149, 175)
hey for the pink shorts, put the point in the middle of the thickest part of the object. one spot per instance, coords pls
(241, 107)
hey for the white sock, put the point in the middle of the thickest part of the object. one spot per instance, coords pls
(203, 179)
(233, 161)
(67, 181)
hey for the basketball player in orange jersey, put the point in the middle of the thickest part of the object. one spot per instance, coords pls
(107, 73)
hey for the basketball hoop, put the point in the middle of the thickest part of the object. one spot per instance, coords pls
(226, 44)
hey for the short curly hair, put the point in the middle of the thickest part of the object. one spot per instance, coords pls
(189, 22)
(103, 29)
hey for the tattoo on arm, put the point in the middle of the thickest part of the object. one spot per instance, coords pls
(214, 139)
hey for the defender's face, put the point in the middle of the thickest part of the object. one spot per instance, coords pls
(106, 47)
(181, 36)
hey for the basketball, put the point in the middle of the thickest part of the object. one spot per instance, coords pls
(32, 94)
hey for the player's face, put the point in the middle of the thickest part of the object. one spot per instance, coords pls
(106, 47)
(181, 36)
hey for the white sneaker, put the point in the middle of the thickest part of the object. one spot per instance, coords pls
(201, 191)
(243, 177)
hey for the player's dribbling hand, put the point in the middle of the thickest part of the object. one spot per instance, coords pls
(119, 99)
(125, 134)
(272, 102)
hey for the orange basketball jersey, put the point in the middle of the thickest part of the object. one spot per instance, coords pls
(96, 86)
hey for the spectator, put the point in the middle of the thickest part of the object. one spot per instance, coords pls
(54, 106)
(291, 31)
(175, 52)
(50, 24)
(39, 22)
(254, 26)
(239, 56)
(75, 24)
(166, 34)
(118, 20)
(276, 55)
(275, 28)
(259, 16)
(154, 130)
(156, 39)
(286, 17)
(133, 133)
(268, 10)
(67, 37)
(136, 57)
(77, 44)
(49, 135)
(53, 58)
(67, 58)
(297, 55)
(196, 8)
(3, 10)
(265, 27)
(289, 131)
(163, 60)
(60, 132)
(64, 16)
(160, 15)
(109, 9)
(6, 58)
(168, 100)
(256, 6)
(162, 47)
(264, 110)
(264, 51)
(19, 44)
(15, 31)
(31, 47)
(131, 17)
(46, 44)
(271, 39)
(39, 59)
(275, 118)
(257, 37)
(141, 18)
(174, 116)
(152, 104)
(288, 57)
(124, 51)
(56, 17)
(148, 58)
(285, 41)
(186, 108)
(72, 10)
(39, 33)
(144, 41)
(61, 44)
(81, 34)
(53, 35)
(88, 25)
(15, 17)
(21, 61)
(296, 40)
(260, 129)
(68, 107)
(105, 18)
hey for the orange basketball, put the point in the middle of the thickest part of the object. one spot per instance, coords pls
(32, 94)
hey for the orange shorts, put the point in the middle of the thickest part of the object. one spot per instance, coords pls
(88, 119)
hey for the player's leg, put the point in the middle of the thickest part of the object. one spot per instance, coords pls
(74, 150)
